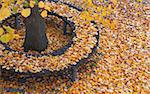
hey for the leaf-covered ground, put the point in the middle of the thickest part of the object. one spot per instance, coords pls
(122, 65)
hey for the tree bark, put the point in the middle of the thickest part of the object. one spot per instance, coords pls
(35, 38)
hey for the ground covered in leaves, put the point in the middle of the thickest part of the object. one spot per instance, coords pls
(52, 36)
(121, 64)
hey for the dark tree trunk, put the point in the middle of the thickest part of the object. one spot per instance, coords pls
(35, 38)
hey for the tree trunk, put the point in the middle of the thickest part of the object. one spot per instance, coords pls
(35, 38)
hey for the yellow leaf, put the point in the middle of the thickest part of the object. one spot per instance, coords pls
(114, 2)
(109, 9)
(112, 25)
(100, 19)
(104, 22)
(15, 9)
(139, 0)
(90, 3)
(16, 36)
(6, 38)
(32, 3)
(84, 14)
(104, 12)
(5, 3)
(99, 8)
(47, 7)
(1, 31)
(136, 6)
(9, 29)
(19, 2)
(44, 13)
(4, 13)
(101, 1)
(26, 12)
(41, 4)
(96, 16)
(107, 22)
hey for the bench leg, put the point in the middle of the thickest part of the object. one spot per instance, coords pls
(73, 73)
(65, 28)
(17, 22)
